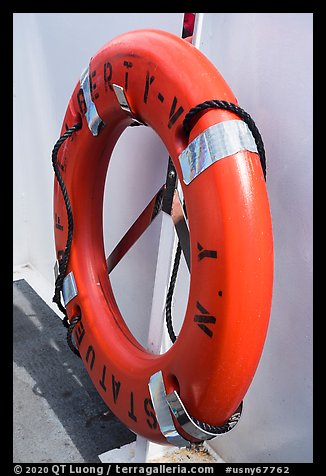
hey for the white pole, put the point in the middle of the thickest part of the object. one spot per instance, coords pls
(144, 448)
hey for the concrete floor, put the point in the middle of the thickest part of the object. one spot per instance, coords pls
(58, 415)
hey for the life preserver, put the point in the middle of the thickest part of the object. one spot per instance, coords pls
(214, 359)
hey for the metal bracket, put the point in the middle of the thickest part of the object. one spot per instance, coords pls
(165, 404)
(170, 184)
(124, 103)
(93, 119)
(190, 427)
(181, 226)
(163, 414)
(173, 207)
(69, 288)
(167, 199)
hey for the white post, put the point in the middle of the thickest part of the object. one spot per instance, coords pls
(161, 283)
(143, 447)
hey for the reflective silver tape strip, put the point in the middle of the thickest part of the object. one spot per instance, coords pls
(93, 119)
(69, 288)
(163, 414)
(215, 143)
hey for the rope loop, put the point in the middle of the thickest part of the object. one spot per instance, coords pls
(228, 106)
(71, 327)
(63, 262)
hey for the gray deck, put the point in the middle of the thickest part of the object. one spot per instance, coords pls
(58, 415)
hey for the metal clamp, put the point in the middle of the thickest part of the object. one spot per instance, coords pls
(56, 270)
(173, 207)
(124, 103)
(190, 426)
(163, 403)
(93, 119)
(69, 288)
(163, 414)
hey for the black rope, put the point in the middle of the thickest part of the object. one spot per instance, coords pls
(63, 262)
(71, 327)
(158, 204)
(168, 303)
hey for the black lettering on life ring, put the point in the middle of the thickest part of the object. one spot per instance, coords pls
(102, 381)
(115, 388)
(203, 319)
(81, 102)
(174, 115)
(94, 94)
(79, 332)
(205, 253)
(90, 350)
(148, 82)
(107, 73)
(131, 413)
(57, 223)
(128, 65)
(149, 410)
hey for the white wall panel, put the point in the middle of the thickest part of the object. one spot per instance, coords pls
(266, 58)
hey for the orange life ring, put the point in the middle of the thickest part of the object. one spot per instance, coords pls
(213, 361)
